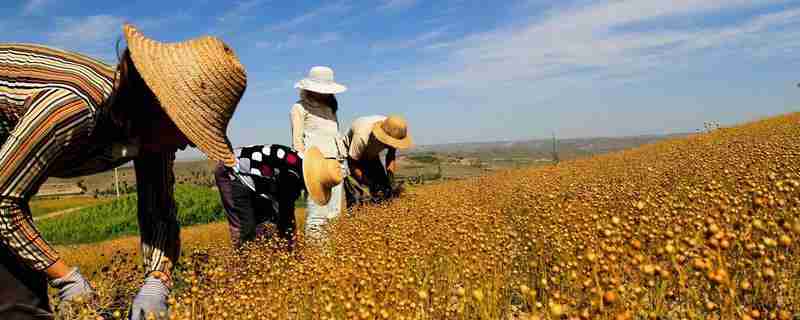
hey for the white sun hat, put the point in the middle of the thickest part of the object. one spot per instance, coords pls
(320, 80)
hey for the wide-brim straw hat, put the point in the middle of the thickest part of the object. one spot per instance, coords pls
(393, 131)
(197, 82)
(320, 175)
(320, 80)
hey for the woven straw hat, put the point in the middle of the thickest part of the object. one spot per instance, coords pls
(320, 175)
(393, 131)
(320, 80)
(198, 83)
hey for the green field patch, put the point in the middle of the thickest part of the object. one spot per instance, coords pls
(49, 205)
(196, 205)
(424, 158)
(116, 218)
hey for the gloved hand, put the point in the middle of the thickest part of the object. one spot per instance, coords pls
(72, 286)
(151, 299)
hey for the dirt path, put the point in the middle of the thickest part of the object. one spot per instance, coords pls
(58, 213)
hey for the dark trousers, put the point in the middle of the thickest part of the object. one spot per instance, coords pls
(23, 292)
(377, 188)
(248, 211)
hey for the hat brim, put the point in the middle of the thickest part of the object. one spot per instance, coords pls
(326, 88)
(200, 109)
(312, 169)
(383, 137)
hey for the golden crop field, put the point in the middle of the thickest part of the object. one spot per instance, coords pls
(704, 227)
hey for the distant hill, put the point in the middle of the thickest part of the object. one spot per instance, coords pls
(462, 159)
(567, 148)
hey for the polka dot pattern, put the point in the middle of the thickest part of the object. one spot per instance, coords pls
(269, 164)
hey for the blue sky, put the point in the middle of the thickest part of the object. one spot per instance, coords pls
(473, 70)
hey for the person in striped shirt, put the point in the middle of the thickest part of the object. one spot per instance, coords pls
(66, 115)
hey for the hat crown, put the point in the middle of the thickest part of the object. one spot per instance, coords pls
(396, 127)
(197, 82)
(321, 74)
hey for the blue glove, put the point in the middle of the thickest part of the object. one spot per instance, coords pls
(151, 299)
(72, 286)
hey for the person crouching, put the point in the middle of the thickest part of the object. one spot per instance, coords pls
(264, 184)
(369, 181)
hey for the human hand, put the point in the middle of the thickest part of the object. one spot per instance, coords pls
(72, 286)
(151, 299)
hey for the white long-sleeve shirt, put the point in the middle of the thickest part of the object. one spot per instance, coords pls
(316, 126)
(361, 146)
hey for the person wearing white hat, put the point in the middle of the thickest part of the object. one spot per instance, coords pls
(265, 182)
(315, 124)
(370, 181)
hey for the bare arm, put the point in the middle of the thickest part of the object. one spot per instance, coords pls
(356, 171)
(297, 116)
(391, 164)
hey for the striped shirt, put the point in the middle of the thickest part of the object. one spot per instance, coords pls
(54, 122)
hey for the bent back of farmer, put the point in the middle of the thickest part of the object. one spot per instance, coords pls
(65, 115)
(368, 136)
(62, 93)
(265, 183)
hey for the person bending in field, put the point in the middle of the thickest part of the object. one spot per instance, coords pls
(265, 182)
(63, 114)
(369, 180)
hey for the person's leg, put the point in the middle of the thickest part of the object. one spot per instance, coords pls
(224, 183)
(243, 208)
(316, 217)
(23, 292)
(285, 219)
(265, 212)
(334, 206)
(379, 184)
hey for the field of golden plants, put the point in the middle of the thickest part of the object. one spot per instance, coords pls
(704, 227)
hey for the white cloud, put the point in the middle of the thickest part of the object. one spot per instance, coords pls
(87, 29)
(600, 40)
(93, 35)
(417, 41)
(326, 38)
(295, 40)
(292, 41)
(239, 11)
(320, 12)
(397, 4)
(32, 6)
(154, 23)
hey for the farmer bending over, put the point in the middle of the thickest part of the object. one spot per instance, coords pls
(265, 182)
(369, 180)
(66, 115)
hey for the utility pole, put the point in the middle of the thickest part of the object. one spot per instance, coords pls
(555, 150)
(116, 181)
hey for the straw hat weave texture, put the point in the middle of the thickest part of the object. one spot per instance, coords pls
(393, 131)
(320, 175)
(198, 83)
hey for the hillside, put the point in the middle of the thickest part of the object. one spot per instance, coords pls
(700, 227)
(543, 148)
(486, 155)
